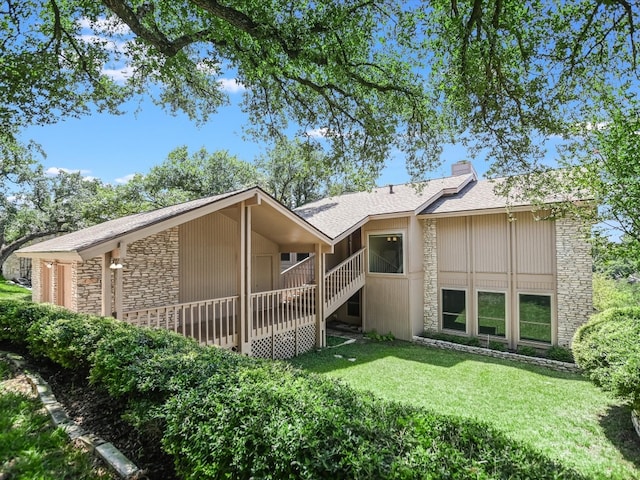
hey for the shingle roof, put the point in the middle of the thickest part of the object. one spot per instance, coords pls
(103, 232)
(481, 195)
(338, 215)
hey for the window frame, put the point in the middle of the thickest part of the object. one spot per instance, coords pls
(401, 232)
(466, 330)
(552, 323)
(507, 328)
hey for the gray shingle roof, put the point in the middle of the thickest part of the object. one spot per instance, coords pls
(480, 195)
(337, 215)
(103, 232)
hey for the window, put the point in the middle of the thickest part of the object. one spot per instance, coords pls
(353, 305)
(285, 257)
(301, 256)
(385, 253)
(454, 316)
(535, 317)
(492, 313)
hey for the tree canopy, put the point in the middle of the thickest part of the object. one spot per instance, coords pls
(363, 79)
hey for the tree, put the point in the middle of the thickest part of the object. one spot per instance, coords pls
(295, 173)
(603, 162)
(34, 205)
(182, 177)
(370, 77)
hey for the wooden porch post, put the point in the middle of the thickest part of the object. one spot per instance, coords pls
(107, 298)
(244, 345)
(319, 298)
(248, 323)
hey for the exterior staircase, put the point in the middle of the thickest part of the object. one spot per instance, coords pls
(340, 283)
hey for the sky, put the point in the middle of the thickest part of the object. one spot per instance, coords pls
(114, 147)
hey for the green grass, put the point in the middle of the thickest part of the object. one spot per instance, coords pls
(560, 414)
(12, 291)
(30, 448)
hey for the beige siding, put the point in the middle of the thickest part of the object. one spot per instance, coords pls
(492, 253)
(490, 247)
(209, 249)
(387, 307)
(535, 241)
(387, 297)
(452, 244)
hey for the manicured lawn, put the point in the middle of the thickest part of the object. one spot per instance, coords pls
(30, 448)
(13, 291)
(562, 415)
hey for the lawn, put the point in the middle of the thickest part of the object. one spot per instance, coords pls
(30, 448)
(560, 414)
(13, 291)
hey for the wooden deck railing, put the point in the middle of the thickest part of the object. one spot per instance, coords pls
(210, 322)
(343, 281)
(302, 273)
(282, 310)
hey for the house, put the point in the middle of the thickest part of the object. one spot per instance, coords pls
(445, 255)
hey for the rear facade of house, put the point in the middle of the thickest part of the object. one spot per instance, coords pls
(243, 272)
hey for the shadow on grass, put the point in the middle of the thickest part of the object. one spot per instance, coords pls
(617, 426)
(365, 351)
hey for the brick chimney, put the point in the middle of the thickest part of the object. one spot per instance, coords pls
(463, 167)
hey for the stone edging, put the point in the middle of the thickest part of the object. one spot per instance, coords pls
(635, 419)
(120, 464)
(537, 361)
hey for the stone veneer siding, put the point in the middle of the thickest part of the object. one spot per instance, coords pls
(88, 284)
(430, 265)
(151, 272)
(36, 280)
(574, 279)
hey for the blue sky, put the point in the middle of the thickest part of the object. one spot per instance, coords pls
(112, 147)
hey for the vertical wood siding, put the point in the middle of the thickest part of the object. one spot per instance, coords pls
(452, 244)
(490, 247)
(208, 258)
(535, 245)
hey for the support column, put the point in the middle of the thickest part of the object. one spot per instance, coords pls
(243, 346)
(247, 281)
(319, 297)
(107, 297)
(122, 251)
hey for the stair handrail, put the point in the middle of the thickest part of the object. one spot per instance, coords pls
(344, 262)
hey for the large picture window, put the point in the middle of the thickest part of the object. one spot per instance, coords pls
(492, 313)
(454, 306)
(535, 317)
(386, 253)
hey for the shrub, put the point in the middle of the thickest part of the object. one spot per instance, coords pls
(610, 293)
(71, 341)
(499, 346)
(527, 350)
(17, 316)
(268, 420)
(378, 337)
(561, 354)
(607, 348)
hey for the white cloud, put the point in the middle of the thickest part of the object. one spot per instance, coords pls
(317, 133)
(125, 179)
(231, 85)
(53, 171)
(118, 74)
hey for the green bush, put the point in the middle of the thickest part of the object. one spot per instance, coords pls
(459, 339)
(17, 316)
(607, 348)
(610, 293)
(499, 346)
(527, 350)
(561, 354)
(268, 420)
(71, 341)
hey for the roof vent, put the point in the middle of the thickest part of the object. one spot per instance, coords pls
(463, 167)
(390, 188)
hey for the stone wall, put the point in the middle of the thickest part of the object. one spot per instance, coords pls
(574, 279)
(87, 279)
(540, 362)
(151, 272)
(36, 280)
(430, 265)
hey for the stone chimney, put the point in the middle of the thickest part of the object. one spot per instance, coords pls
(463, 167)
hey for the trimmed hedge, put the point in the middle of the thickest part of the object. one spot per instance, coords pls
(607, 348)
(223, 415)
